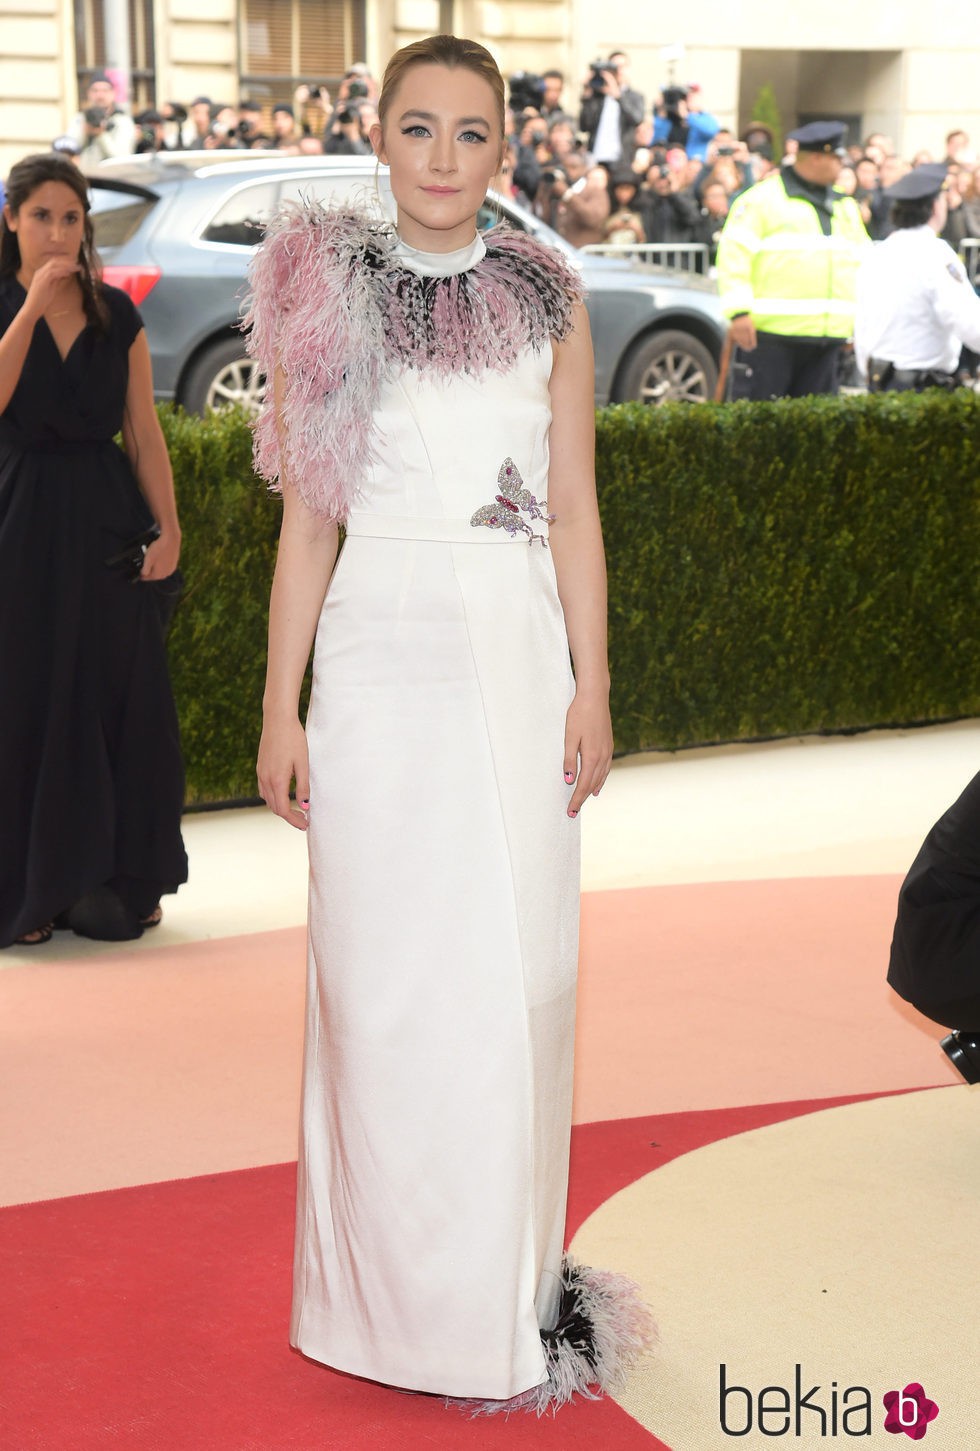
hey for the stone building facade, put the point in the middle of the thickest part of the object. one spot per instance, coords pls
(882, 65)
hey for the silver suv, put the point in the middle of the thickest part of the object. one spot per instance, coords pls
(175, 230)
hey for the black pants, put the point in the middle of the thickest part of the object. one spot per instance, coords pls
(778, 367)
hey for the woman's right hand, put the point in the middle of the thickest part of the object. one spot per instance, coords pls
(283, 757)
(46, 284)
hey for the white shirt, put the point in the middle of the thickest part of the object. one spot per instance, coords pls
(915, 305)
(608, 144)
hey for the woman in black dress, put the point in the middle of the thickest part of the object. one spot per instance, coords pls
(91, 777)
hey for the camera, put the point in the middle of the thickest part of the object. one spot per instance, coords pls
(315, 92)
(346, 114)
(356, 90)
(95, 116)
(553, 174)
(243, 129)
(673, 95)
(726, 150)
(526, 91)
(599, 71)
(539, 135)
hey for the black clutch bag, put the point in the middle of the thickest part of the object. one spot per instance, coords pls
(129, 561)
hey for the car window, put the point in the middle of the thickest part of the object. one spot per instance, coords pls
(357, 190)
(490, 214)
(116, 215)
(239, 222)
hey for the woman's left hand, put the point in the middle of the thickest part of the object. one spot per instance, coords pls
(161, 557)
(588, 746)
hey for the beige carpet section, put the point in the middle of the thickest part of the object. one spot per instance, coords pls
(816, 806)
(845, 1241)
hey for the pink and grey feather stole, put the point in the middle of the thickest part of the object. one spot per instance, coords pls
(333, 306)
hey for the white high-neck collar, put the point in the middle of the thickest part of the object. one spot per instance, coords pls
(440, 264)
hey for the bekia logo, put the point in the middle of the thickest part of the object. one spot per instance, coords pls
(776, 1410)
(910, 1411)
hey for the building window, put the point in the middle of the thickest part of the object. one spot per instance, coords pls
(287, 42)
(90, 52)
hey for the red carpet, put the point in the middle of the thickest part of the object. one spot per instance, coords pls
(154, 1318)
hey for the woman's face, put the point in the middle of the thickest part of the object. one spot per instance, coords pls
(442, 141)
(50, 223)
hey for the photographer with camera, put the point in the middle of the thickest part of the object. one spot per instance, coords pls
(669, 214)
(610, 111)
(101, 128)
(679, 121)
(151, 134)
(345, 134)
(249, 130)
(223, 134)
(585, 206)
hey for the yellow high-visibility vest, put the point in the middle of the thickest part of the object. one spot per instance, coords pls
(776, 263)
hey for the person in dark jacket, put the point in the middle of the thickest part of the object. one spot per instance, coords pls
(668, 215)
(935, 952)
(611, 111)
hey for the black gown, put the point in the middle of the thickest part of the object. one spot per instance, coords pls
(91, 775)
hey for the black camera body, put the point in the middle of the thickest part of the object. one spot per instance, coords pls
(673, 95)
(526, 91)
(599, 70)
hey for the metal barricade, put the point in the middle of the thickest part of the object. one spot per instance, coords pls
(681, 256)
(970, 257)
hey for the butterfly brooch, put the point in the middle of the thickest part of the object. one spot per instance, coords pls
(511, 505)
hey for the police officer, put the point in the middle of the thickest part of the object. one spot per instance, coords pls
(787, 267)
(915, 306)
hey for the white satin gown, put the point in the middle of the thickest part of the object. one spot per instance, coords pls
(444, 880)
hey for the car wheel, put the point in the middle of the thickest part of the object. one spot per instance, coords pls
(222, 377)
(668, 367)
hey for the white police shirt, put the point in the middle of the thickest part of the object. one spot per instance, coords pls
(915, 304)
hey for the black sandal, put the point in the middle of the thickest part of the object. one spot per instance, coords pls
(152, 919)
(37, 938)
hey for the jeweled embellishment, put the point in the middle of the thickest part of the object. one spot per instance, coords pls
(511, 505)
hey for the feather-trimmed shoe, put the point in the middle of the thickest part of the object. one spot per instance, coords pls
(602, 1331)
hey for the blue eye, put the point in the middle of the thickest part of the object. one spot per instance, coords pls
(412, 130)
(476, 135)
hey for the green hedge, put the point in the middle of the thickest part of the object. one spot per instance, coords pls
(802, 565)
(775, 568)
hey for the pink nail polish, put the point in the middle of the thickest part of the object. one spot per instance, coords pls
(573, 813)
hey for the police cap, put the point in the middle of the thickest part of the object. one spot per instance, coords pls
(919, 185)
(825, 136)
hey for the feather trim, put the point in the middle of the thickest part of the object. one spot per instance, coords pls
(602, 1331)
(330, 300)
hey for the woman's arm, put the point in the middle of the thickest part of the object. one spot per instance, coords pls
(46, 286)
(147, 450)
(304, 564)
(576, 546)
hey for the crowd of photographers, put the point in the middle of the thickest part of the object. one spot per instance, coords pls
(594, 160)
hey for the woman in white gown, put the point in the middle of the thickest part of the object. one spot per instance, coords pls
(433, 392)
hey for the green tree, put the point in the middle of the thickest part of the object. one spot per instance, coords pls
(766, 110)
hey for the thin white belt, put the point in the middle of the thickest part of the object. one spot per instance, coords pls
(364, 524)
